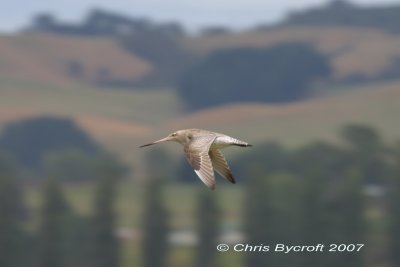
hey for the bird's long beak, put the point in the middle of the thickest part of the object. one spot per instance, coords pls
(158, 141)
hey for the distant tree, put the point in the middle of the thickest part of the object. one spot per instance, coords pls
(276, 74)
(172, 29)
(75, 69)
(269, 157)
(74, 165)
(104, 245)
(50, 249)
(256, 217)
(346, 13)
(362, 138)
(394, 212)
(207, 229)
(29, 140)
(157, 47)
(315, 222)
(332, 213)
(332, 160)
(104, 22)
(77, 240)
(154, 244)
(163, 50)
(44, 22)
(165, 169)
(215, 31)
(366, 151)
(353, 209)
(271, 216)
(13, 252)
(344, 212)
(101, 22)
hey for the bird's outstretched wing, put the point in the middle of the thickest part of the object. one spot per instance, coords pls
(196, 153)
(220, 165)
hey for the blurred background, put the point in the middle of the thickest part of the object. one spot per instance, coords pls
(313, 85)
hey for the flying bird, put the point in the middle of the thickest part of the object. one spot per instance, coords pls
(202, 150)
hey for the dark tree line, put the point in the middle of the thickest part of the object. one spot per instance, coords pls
(54, 146)
(102, 22)
(63, 238)
(67, 239)
(104, 247)
(14, 243)
(330, 184)
(163, 50)
(361, 147)
(52, 234)
(30, 140)
(208, 216)
(282, 73)
(345, 13)
(394, 211)
(282, 209)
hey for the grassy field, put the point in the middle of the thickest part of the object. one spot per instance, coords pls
(76, 100)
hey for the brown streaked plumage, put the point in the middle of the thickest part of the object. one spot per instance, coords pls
(202, 150)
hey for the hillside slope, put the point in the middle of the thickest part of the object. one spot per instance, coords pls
(59, 59)
(62, 59)
(353, 51)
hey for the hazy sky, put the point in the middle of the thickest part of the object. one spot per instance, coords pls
(193, 14)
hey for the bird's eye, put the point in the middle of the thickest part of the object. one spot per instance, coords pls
(174, 134)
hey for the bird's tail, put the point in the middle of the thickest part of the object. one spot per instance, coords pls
(241, 143)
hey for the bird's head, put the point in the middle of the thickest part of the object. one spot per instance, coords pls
(181, 136)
